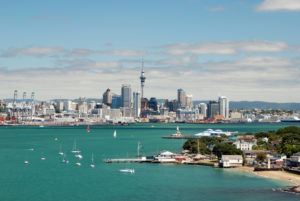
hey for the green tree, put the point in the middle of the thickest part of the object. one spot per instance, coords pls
(226, 149)
(261, 157)
(195, 146)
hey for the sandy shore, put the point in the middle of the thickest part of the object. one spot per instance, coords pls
(281, 175)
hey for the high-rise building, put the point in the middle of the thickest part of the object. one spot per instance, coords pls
(189, 101)
(107, 97)
(203, 109)
(68, 105)
(212, 109)
(126, 95)
(59, 106)
(143, 79)
(116, 101)
(181, 97)
(224, 106)
(152, 104)
(137, 103)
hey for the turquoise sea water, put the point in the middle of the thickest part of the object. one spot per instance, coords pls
(51, 180)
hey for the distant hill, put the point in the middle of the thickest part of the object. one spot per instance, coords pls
(259, 105)
(263, 105)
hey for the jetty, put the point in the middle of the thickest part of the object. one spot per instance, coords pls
(126, 160)
(178, 137)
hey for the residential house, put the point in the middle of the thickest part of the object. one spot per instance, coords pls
(231, 161)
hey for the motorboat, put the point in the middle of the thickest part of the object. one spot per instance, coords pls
(26, 162)
(78, 164)
(127, 171)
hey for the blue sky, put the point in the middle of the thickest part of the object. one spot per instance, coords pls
(246, 50)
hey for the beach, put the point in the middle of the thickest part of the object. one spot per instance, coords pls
(280, 175)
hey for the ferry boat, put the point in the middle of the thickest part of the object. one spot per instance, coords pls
(213, 133)
(292, 119)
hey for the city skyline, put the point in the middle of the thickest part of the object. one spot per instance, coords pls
(209, 48)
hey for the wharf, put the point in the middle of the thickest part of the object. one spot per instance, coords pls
(178, 137)
(127, 160)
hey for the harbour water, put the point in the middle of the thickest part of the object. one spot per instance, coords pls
(50, 179)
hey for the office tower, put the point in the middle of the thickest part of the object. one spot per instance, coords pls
(107, 97)
(68, 105)
(224, 106)
(203, 109)
(116, 101)
(82, 106)
(189, 101)
(152, 104)
(59, 106)
(181, 97)
(143, 79)
(137, 103)
(213, 109)
(126, 95)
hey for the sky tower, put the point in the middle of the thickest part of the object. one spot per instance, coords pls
(142, 78)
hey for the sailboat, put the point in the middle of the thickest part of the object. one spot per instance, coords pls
(75, 150)
(88, 128)
(138, 149)
(115, 134)
(92, 164)
(64, 160)
(78, 156)
(43, 157)
(60, 151)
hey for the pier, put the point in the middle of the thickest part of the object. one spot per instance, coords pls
(126, 160)
(178, 137)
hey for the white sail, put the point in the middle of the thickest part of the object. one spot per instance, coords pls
(92, 164)
(60, 151)
(115, 134)
(75, 150)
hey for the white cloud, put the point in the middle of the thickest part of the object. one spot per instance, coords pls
(275, 5)
(251, 78)
(123, 52)
(76, 52)
(179, 60)
(225, 47)
(32, 51)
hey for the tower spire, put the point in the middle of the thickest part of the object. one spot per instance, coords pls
(142, 78)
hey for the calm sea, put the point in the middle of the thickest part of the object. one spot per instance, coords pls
(51, 180)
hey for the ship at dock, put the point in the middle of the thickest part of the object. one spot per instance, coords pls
(176, 135)
(291, 120)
